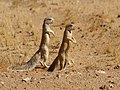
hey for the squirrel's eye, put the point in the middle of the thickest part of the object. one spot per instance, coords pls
(49, 19)
(71, 25)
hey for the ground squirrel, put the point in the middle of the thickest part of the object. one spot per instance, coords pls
(41, 56)
(63, 51)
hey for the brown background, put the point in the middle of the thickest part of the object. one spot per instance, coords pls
(96, 55)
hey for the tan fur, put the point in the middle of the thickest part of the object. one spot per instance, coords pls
(64, 49)
(41, 56)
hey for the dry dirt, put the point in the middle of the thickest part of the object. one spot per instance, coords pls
(96, 55)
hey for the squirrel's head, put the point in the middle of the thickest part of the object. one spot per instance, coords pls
(70, 27)
(48, 20)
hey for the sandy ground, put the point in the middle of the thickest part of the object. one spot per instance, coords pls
(96, 55)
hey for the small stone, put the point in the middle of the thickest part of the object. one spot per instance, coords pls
(2, 83)
(24, 88)
(118, 16)
(26, 79)
(100, 71)
(112, 82)
(39, 82)
(79, 73)
(34, 79)
(82, 36)
(57, 75)
(26, 74)
(78, 27)
(42, 78)
(117, 67)
(109, 76)
(30, 9)
(96, 74)
(111, 85)
(66, 72)
(103, 87)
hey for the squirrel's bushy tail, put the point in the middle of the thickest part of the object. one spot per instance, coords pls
(30, 65)
(53, 65)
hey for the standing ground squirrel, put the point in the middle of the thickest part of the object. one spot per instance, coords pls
(41, 56)
(44, 46)
(64, 49)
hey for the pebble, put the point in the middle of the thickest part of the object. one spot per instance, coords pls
(111, 85)
(112, 82)
(101, 71)
(26, 79)
(58, 76)
(117, 67)
(118, 16)
(2, 83)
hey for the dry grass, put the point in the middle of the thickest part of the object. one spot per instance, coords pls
(19, 35)
(21, 23)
